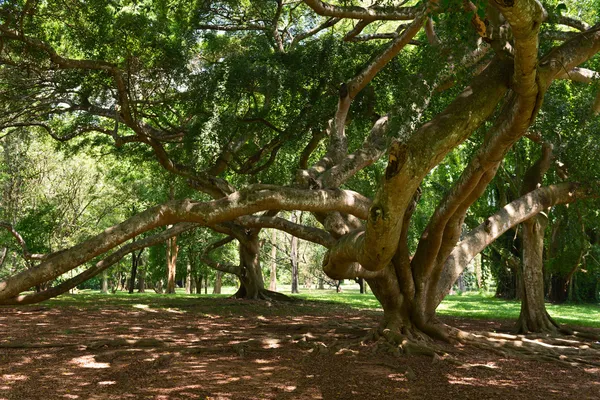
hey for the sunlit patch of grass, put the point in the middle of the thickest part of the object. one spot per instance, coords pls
(467, 305)
(472, 305)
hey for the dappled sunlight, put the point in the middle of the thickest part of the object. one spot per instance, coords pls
(89, 362)
(225, 349)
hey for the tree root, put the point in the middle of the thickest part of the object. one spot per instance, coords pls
(564, 349)
(22, 345)
(263, 294)
(576, 349)
(403, 341)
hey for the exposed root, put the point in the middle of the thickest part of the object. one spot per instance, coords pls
(262, 294)
(567, 350)
(22, 345)
(403, 341)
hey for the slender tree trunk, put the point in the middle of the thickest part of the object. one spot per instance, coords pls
(193, 285)
(273, 282)
(199, 284)
(361, 285)
(534, 317)
(172, 251)
(158, 287)
(142, 281)
(3, 253)
(294, 258)
(218, 283)
(478, 275)
(206, 285)
(188, 278)
(104, 282)
(134, 266)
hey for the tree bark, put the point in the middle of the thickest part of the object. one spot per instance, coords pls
(188, 279)
(273, 281)
(361, 285)
(198, 284)
(172, 251)
(218, 283)
(294, 258)
(534, 317)
(134, 267)
(252, 285)
(104, 282)
(3, 253)
(142, 281)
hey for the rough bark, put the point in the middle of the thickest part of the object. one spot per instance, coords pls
(533, 316)
(135, 263)
(172, 251)
(104, 282)
(142, 282)
(218, 283)
(188, 278)
(273, 277)
(294, 258)
(252, 285)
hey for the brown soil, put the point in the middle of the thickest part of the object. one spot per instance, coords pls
(232, 349)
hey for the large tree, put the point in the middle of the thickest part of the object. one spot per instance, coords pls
(239, 99)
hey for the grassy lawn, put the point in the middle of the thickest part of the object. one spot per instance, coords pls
(468, 305)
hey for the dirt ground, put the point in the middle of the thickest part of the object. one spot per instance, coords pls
(231, 349)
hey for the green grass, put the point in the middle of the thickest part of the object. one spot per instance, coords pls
(468, 305)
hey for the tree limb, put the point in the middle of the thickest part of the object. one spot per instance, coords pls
(99, 267)
(510, 215)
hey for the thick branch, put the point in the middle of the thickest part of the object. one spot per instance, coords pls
(99, 266)
(510, 215)
(304, 232)
(255, 199)
(411, 159)
(355, 12)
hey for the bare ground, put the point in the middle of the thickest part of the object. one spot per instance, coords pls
(231, 349)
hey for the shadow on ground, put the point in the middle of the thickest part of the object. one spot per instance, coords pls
(231, 349)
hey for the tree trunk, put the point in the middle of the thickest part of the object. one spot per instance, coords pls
(193, 288)
(158, 287)
(478, 267)
(273, 282)
(134, 266)
(3, 253)
(188, 279)
(218, 283)
(142, 281)
(361, 285)
(252, 285)
(534, 317)
(294, 258)
(104, 282)
(199, 284)
(172, 250)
